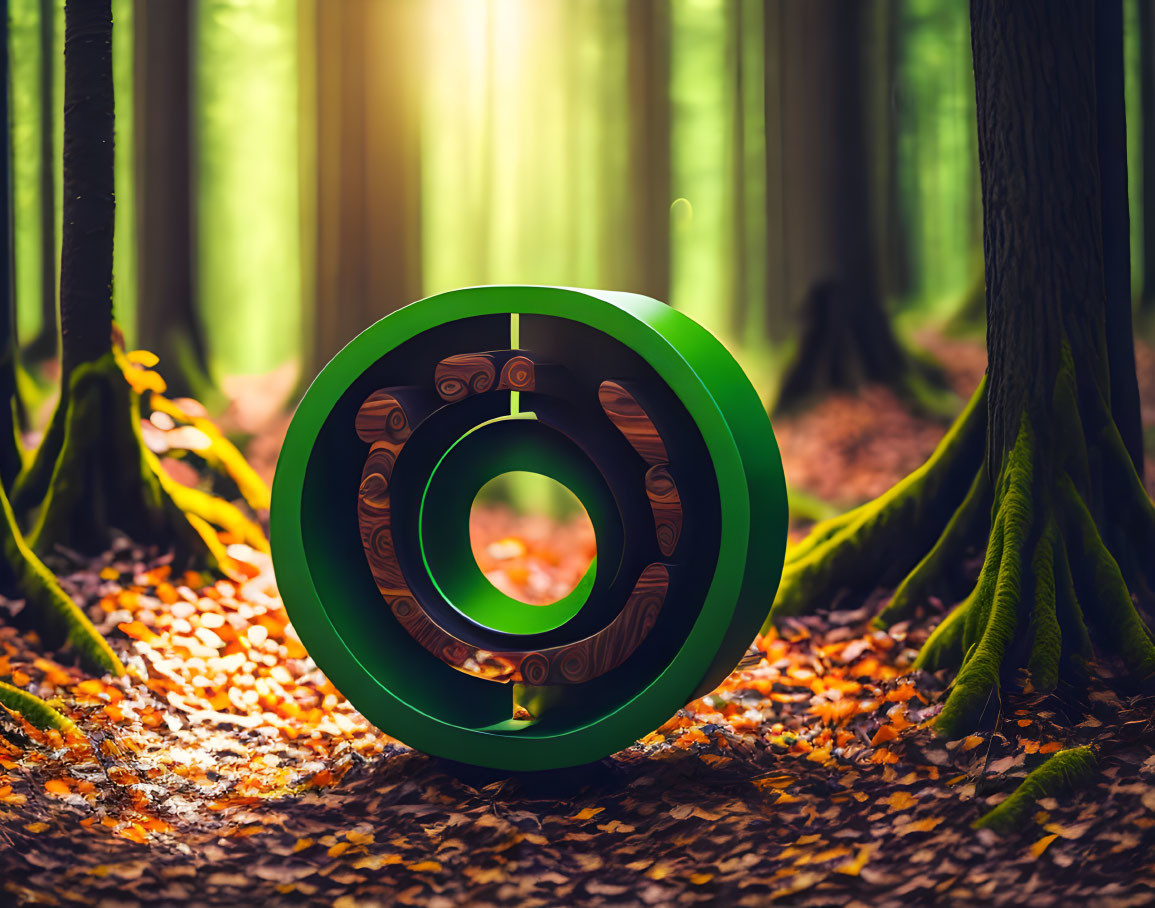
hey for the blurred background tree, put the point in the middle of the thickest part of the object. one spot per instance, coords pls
(288, 171)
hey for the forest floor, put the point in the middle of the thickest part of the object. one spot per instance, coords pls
(225, 769)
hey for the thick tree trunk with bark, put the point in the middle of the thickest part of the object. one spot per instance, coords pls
(1112, 130)
(1070, 531)
(846, 340)
(86, 252)
(92, 474)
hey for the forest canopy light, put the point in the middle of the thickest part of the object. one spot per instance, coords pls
(627, 402)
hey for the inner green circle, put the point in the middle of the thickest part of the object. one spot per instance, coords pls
(531, 537)
(443, 525)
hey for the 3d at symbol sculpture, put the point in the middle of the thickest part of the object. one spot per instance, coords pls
(630, 404)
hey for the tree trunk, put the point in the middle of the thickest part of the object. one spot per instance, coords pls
(1069, 528)
(168, 324)
(1147, 110)
(1112, 132)
(1044, 250)
(648, 80)
(828, 206)
(899, 277)
(368, 161)
(86, 255)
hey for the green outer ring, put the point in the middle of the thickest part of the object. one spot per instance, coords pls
(748, 469)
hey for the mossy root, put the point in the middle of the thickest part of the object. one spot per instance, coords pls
(991, 621)
(104, 476)
(221, 455)
(35, 710)
(861, 547)
(1061, 773)
(965, 525)
(48, 607)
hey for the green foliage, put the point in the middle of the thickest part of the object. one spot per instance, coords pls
(1062, 772)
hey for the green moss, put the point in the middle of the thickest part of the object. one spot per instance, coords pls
(1061, 773)
(995, 625)
(858, 548)
(1046, 638)
(1099, 580)
(213, 510)
(48, 607)
(32, 484)
(956, 635)
(1076, 640)
(35, 710)
(105, 477)
(944, 646)
(948, 549)
(807, 508)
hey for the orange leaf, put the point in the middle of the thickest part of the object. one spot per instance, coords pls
(137, 631)
(1042, 844)
(900, 800)
(145, 358)
(885, 733)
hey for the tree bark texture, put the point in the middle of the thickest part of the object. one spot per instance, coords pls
(1043, 234)
(86, 257)
(1109, 104)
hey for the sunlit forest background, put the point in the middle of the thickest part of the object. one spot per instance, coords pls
(289, 171)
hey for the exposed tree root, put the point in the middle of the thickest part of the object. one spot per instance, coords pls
(102, 477)
(1071, 533)
(849, 550)
(1061, 773)
(213, 511)
(221, 455)
(47, 606)
(35, 710)
(31, 485)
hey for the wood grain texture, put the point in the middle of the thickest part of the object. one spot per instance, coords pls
(457, 377)
(621, 406)
(574, 663)
(517, 374)
(385, 420)
(387, 415)
(666, 504)
(373, 519)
